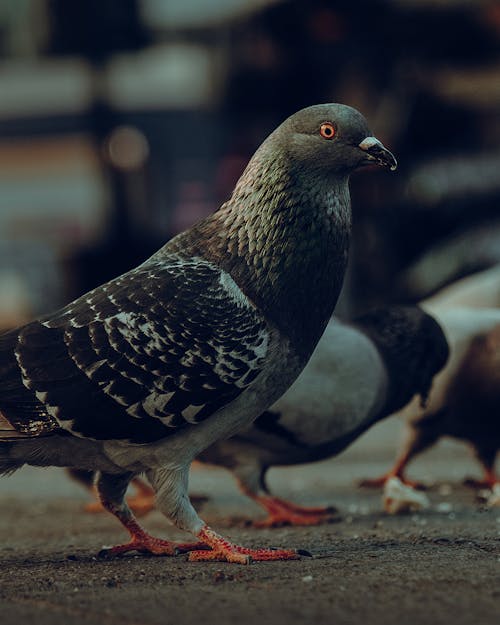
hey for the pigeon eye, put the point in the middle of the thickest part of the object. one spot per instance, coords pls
(327, 130)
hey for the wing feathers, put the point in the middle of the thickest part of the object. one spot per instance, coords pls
(157, 349)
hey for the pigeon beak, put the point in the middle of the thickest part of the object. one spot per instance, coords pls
(375, 151)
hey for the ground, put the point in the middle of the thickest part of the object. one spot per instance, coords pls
(437, 566)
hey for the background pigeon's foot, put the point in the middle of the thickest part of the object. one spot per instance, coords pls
(282, 512)
(400, 498)
(224, 551)
(493, 500)
(94, 507)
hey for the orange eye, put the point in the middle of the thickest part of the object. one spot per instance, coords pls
(327, 130)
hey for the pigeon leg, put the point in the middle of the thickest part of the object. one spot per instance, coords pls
(111, 489)
(140, 503)
(487, 459)
(397, 471)
(418, 439)
(173, 501)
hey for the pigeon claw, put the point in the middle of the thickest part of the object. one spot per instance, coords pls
(224, 551)
(304, 552)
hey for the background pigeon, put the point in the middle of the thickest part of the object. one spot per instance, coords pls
(465, 398)
(359, 374)
(144, 372)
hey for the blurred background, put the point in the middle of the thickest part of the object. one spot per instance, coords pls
(122, 122)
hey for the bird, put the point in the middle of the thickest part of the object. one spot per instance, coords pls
(465, 398)
(144, 372)
(360, 372)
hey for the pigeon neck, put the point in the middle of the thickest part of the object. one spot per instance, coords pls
(284, 239)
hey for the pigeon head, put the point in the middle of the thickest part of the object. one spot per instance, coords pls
(283, 235)
(413, 347)
(333, 139)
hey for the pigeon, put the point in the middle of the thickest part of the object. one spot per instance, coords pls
(359, 373)
(143, 373)
(465, 399)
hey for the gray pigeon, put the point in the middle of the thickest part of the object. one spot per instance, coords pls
(359, 373)
(146, 371)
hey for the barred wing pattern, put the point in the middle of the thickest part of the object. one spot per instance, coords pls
(157, 349)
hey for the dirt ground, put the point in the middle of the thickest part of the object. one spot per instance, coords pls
(441, 565)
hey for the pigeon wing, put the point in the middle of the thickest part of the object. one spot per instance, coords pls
(157, 349)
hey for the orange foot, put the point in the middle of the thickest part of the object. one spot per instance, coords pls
(224, 551)
(282, 512)
(145, 543)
